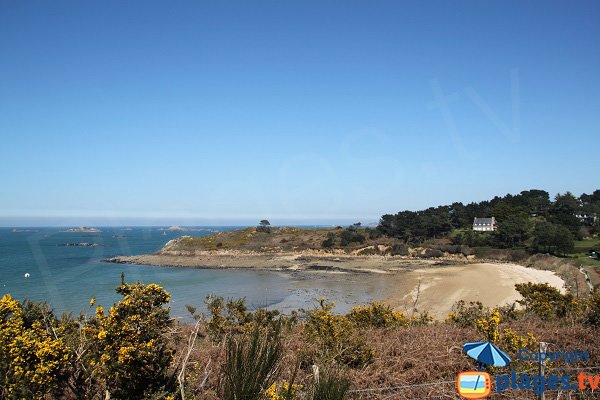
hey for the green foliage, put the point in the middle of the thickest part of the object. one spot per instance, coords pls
(547, 302)
(377, 315)
(33, 359)
(508, 339)
(473, 239)
(134, 354)
(415, 227)
(330, 241)
(551, 238)
(264, 226)
(515, 215)
(466, 314)
(351, 236)
(512, 230)
(233, 317)
(330, 386)
(252, 364)
(562, 212)
(592, 316)
(336, 337)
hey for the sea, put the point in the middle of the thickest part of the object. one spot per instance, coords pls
(37, 264)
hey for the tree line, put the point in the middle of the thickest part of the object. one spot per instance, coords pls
(529, 219)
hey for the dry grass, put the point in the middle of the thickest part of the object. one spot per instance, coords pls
(405, 357)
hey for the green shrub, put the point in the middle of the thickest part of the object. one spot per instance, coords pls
(32, 359)
(330, 386)
(133, 352)
(377, 315)
(251, 365)
(547, 302)
(466, 315)
(336, 337)
(593, 310)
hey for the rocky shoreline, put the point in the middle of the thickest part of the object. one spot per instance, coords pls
(299, 261)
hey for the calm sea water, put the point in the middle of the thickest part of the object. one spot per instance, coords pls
(67, 277)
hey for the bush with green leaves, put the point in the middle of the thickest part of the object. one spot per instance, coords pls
(592, 316)
(336, 338)
(233, 317)
(134, 353)
(33, 358)
(547, 302)
(466, 314)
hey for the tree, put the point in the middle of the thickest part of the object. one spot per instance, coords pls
(537, 201)
(563, 240)
(562, 212)
(552, 238)
(264, 226)
(512, 230)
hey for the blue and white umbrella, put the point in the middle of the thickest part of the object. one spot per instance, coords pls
(487, 353)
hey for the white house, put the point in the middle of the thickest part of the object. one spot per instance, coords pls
(484, 224)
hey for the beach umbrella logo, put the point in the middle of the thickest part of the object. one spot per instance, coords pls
(486, 353)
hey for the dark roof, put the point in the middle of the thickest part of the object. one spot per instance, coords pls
(482, 221)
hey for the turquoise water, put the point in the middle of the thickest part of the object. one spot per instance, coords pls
(67, 277)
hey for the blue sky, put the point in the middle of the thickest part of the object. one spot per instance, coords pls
(297, 111)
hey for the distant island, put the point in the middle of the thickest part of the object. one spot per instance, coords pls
(83, 229)
(177, 228)
(80, 244)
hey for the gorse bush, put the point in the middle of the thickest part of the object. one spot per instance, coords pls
(233, 317)
(466, 314)
(133, 351)
(33, 359)
(336, 337)
(592, 316)
(282, 390)
(512, 341)
(547, 302)
(377, 315)
(489, 326)
(125, 352)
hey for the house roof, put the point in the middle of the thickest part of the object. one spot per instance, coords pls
(483, 221)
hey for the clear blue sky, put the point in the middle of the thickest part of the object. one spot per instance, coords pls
(297, 111)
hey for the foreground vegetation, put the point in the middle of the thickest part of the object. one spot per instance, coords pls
(136, 351)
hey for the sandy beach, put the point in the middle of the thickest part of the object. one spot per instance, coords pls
(491, 283)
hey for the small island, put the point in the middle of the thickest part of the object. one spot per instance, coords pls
(80, 244)
(83, 229)
(177, 228)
